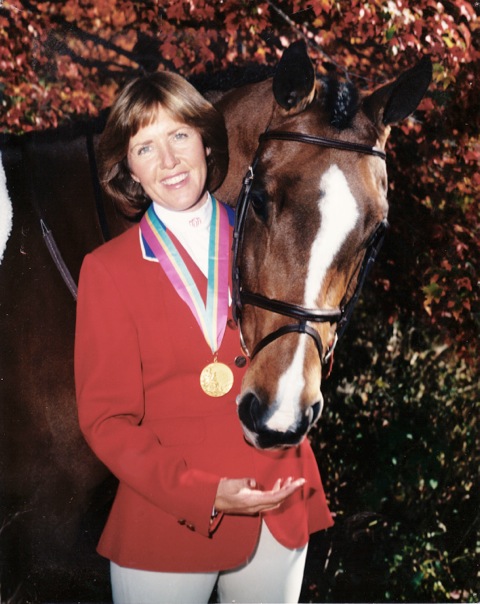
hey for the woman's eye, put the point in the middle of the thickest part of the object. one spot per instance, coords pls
(144, 149)
(179, 136)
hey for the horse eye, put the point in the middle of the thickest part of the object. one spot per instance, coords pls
(258, 200)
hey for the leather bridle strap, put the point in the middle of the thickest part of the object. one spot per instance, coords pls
(373, 247)
(332, 143)
(292, 310)
(341, 315)
(290, 328)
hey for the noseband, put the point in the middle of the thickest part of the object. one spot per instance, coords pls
(302, 315)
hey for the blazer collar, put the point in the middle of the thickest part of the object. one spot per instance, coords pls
(147, 253)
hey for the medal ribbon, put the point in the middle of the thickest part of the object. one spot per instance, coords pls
(212, 317)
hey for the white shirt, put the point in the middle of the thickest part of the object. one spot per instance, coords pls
(192, 229)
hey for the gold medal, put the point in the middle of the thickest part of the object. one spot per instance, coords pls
(216, 379)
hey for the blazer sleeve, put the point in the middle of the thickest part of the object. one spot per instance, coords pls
(109, 387)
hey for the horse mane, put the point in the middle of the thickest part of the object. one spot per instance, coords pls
(341, 100)
(233, 76)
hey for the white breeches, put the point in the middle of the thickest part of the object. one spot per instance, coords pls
(273, 574)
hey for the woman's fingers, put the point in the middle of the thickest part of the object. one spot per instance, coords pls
(239, 496)
(277, 485)
(262, 501)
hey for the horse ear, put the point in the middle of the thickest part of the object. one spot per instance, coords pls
(294, 79)
(395, 101)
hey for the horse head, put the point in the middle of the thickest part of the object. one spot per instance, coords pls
(309, 222)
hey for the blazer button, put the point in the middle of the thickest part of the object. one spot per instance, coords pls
(240, 361)
(190, 526)
(182, 521)
(231, 324)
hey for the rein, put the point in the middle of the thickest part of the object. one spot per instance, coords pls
(47, 234)
(302, 315)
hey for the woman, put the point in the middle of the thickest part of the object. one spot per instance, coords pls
(158, 364)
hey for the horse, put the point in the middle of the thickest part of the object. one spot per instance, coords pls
(312, 202)
(310, 221)
(48, 475)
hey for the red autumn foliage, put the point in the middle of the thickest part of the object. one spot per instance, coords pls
(62, 60)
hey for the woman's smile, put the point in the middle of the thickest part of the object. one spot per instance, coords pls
(178, 179)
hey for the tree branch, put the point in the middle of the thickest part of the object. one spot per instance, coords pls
(308, 40)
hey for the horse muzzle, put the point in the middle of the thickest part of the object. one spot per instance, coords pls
(259, 427)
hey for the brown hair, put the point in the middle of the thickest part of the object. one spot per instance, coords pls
(136, 107)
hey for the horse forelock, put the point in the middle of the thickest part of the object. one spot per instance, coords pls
(5, 211)
(341, 101)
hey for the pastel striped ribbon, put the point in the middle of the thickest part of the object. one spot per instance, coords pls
(212, 316)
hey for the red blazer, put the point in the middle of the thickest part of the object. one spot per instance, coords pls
(138, 358)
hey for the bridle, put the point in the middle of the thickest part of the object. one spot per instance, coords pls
(241, 297)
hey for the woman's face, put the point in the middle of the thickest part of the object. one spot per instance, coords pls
(168, 159)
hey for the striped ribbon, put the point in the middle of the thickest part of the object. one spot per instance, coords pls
(212, 316)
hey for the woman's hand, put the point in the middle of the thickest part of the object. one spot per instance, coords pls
(240, 495)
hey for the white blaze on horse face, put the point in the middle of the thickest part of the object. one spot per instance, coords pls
(289, 391)
(5, 211)
(339, 214)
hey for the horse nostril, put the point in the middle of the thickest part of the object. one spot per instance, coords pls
(314, 414)
(249, 411)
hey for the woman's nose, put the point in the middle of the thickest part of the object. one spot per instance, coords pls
(167, 157)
